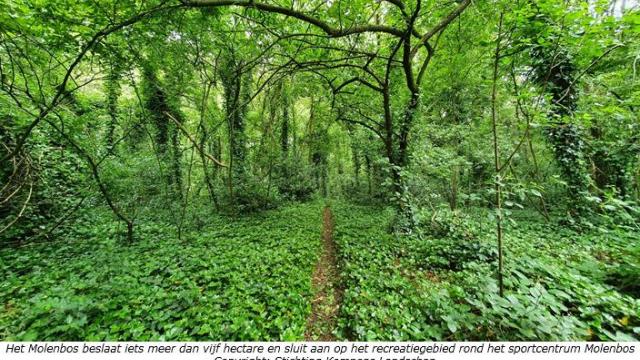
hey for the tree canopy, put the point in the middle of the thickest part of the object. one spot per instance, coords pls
(445, 112)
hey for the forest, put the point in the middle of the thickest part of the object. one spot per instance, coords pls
(447, 170)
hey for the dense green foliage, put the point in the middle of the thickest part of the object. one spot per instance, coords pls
(241, 279)
(401, 288)
(164, 163)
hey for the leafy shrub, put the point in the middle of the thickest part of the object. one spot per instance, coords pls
(294, 180)
(613, 210)
(47, 184)
(444, 223)
(251, 195)
(455, 254)
(626, 275)
(456, 239)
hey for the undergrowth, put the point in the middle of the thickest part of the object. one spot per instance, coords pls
(443, 287)
(236, 279)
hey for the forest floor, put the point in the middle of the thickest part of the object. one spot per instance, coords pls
(325, 305)
(243, 278)
(290, 274)
(560, 284)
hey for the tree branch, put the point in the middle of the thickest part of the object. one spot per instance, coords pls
(61, 91)
(194, 142)
(328, 29)
(441, 25)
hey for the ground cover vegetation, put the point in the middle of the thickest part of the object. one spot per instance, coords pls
(324, 169)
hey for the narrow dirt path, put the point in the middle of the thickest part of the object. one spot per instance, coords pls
(326, 279)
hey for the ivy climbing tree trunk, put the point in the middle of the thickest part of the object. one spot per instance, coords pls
(555, 72)
(160, 110)
(236, 80)
(113, 93)
(284, 134)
